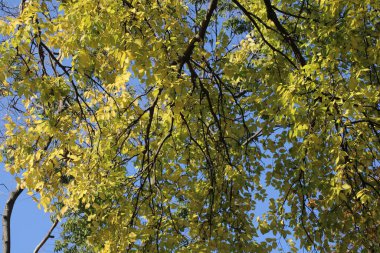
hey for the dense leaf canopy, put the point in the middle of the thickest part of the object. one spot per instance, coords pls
(163, 125)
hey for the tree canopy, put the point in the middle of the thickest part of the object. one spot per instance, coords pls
(163, 125)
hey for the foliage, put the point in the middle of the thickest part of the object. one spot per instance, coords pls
(73, 235)
(155, 120)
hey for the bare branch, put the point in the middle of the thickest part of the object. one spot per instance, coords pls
(48, 235)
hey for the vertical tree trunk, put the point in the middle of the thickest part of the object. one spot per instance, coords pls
(7, 219)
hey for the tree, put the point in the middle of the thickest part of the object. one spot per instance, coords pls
(155, 121)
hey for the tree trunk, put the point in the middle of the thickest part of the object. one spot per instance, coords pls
(7, 219)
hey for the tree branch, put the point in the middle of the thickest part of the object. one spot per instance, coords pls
(273, 16)
(48, 235)
(199, 37)
(253, 21)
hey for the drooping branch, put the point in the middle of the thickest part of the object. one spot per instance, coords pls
(273, 16)
(254, 23)
(48, 235)
(7, 219)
